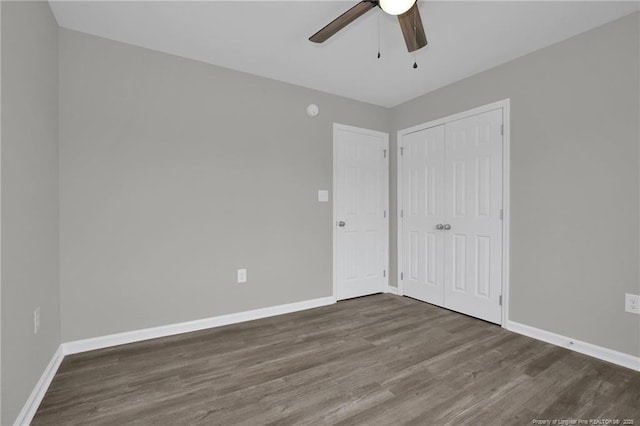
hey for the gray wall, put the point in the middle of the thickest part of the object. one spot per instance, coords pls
(174, 173)
(574, 179)
(29, 198)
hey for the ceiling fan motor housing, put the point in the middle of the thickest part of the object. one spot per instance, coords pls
(410, 21)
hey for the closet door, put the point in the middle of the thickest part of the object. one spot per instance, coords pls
(473, 203)
(423, 213)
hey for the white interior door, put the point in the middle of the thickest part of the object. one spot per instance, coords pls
(451, 214)
(473, 204)
(423, 215)
(361, 203)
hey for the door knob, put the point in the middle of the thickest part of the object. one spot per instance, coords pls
(439, 226)
(341, 224)
(447, 227)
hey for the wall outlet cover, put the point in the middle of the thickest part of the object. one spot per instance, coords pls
(323, 195)
(242, 275)
(632, 303)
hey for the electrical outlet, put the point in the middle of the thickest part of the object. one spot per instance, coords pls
(36, 320)
(242, 275)
(632, 303)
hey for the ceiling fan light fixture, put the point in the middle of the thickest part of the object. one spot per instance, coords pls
(396, 7)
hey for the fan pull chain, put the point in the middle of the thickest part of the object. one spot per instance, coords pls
(379, 35)
(415, 35)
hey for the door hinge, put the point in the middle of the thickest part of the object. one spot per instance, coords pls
(501, 214)
(384, 215)
(500, 300)
(384, 273)
(401, 213)
(502, 129)
(401, 275)
(385, 153)
(401, 151)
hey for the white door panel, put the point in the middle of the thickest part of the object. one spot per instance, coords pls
(452, 176)
(423, 177)
(361, 173)
(473, 201)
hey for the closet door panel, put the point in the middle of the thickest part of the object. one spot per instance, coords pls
(473, 203)
(423, 211)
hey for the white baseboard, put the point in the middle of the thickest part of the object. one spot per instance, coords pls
(33, 402)
(101, 342)
(605, 354)
(393, 290)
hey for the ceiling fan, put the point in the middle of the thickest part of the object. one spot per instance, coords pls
(406, 10)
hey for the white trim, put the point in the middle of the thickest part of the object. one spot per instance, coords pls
(392, 290)
(459, 116)
(398, 213)
(505, 105)
(189, 326)
(387, 209)
(334, 201)
(506, 208)
(0, 214)
(605, 354)
(33, 402)
(336, 127)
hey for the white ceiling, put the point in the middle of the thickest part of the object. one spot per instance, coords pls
(269, 38)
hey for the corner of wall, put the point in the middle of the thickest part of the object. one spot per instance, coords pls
(28, 200)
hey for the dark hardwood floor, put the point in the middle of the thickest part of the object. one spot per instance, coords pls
(377, 360)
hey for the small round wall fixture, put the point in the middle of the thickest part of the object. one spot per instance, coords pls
(312, 110)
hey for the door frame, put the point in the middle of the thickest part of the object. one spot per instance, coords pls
(334, 198)
(506, 202)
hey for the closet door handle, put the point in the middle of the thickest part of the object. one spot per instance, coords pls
(439, 227)
(447, 227)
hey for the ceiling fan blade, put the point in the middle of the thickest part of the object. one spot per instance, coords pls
(343, 20)
(412, 29)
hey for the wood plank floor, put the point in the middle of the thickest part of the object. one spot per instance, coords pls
(377, 360)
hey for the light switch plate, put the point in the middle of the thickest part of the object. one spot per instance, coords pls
(323, 195)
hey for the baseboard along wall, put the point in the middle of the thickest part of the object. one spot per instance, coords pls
(33, 402)
(393, 290)
(595, 351)
(85, 345)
